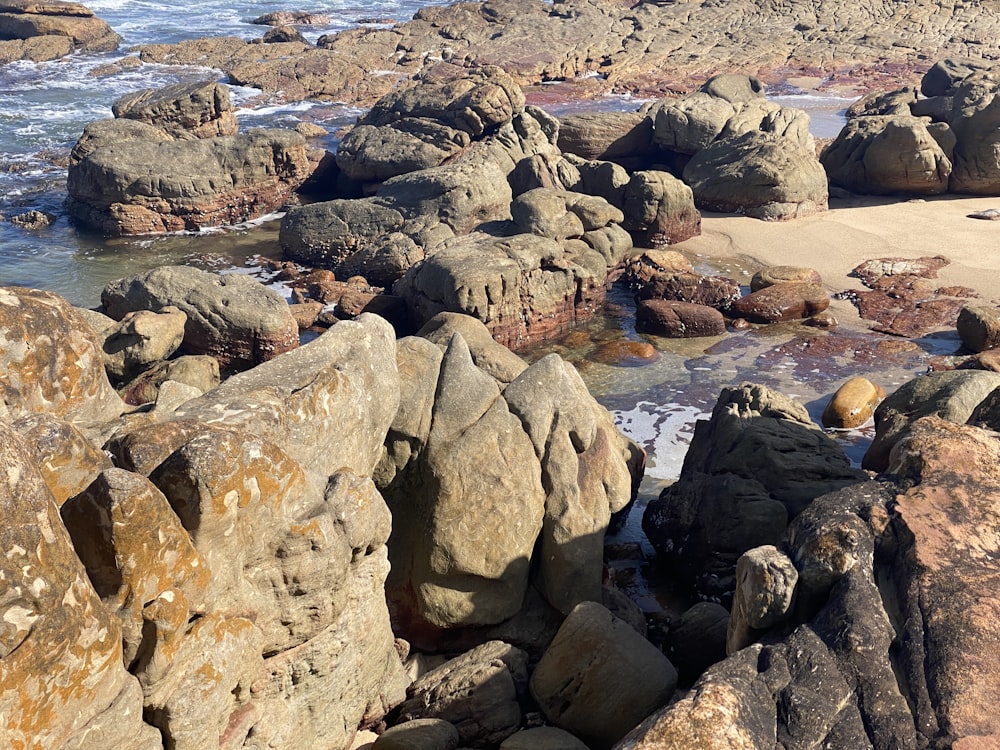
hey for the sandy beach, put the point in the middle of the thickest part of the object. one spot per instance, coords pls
(865, 228)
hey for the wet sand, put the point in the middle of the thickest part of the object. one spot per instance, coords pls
(861, 229)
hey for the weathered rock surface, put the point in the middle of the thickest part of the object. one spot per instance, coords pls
(233, 318)
(49, 30)
(128, 177)
(50, 360)
(608, 136)
(979, 327)
(419, 734)
(184, 110)
(759, 174)
(140, 339)
(659, 208)
(477, 692)
(676, 319)
(57, 689)
(974, 118)
(524, 288)
(197, 371)
(887, 155)
(550, 468)
(948, 395)
(726, 502)
(599, 678)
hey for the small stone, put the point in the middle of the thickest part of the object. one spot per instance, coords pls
(311, 130)
(765, 589)
(542, 738)
(990, 214)
(625, 353)
(822, 320)
(853, 404)
(32, 220)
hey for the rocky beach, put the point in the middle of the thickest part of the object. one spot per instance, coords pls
(529, 426)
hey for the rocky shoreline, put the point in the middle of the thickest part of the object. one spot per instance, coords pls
(361, 520)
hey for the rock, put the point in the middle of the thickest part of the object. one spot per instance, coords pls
(726, 502)
(200, 109)
(675, 319)
(542, 738)
(871, 271)
(444, 572)
(125, 179)
(135, 552)
(625, 353)
(979, 327)
(562, 215)
(59, 687)
(283, 34)
(370, 153)
(609, 136)
(652, 265)
(698, 639)
(990, 214)
(974, 117)
(758, 174)
(690, 124)
(33, 220)
(291, 18)
(599, 678)
(493, 358)
(67, 460)
(419, 734)
(660, 208)
(776, 274)
(69, 26)
(888, 155)
(765, 592)
(734, 88)
(718, 292)
(943, 76)
(233, 318)
(603, 178)
(142, 338)
(61, 372)
(477, 692)
(853, 404)
(585, 470)
(948, 395)
(788, 300)
(198, 371)
(463, 196)
(524, 288)
(884, 104)
(317, 400)
(950, 642)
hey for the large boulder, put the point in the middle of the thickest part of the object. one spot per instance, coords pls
(949, 395)
(756, 464)
(233, 318)
(885, 155)
(128, 177)
(51, 361)
(610, 136)
(200, 109)
(759, 174)
(550, 468)
(63, 682)
(659, 208)
(524, 288)
(975, 117)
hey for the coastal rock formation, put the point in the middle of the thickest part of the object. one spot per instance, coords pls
(184, 110)
(725, 502)
(550, 468)
(886, 155)
(659, 208)
(524, 288)
(50, 30)
(759, 174)
(58, 688)
(233, 318)
(889, 640)
(171, 161)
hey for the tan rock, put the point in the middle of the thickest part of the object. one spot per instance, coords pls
(777, 274)
(789, 300)
(853, 404)
(65, 457)
(979, 327)
(765, 590)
